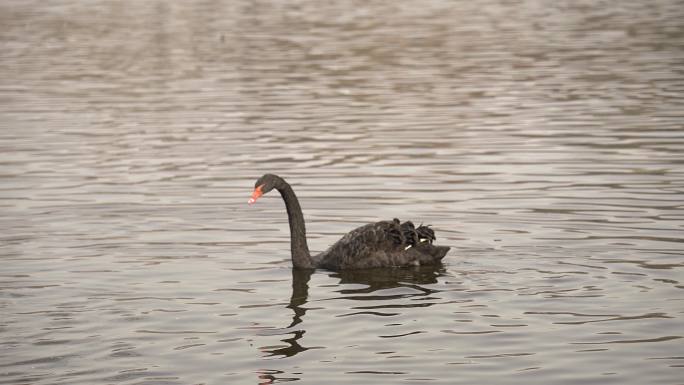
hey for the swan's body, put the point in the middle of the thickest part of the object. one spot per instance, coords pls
(380, 244)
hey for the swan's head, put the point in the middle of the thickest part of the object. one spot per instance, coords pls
(263, 185)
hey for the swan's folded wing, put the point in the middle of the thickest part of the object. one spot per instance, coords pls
(381, 244)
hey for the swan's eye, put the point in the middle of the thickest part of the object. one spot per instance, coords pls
(256, 194)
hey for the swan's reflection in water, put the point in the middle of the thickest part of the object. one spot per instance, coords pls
(299, 297)
(372, 280)
(389, 278)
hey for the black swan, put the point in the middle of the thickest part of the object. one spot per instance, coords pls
(380, 244)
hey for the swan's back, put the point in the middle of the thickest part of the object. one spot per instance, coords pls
(383, 244)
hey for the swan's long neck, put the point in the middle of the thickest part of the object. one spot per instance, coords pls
(300, 250)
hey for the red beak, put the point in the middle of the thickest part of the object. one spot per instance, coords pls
(256, 194)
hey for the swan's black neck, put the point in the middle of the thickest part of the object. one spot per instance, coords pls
(300, 250)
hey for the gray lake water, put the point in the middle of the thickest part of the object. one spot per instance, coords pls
(544, 141)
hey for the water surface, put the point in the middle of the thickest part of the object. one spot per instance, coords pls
(542, 140)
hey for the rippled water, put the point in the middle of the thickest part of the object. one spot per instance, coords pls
(544, 142)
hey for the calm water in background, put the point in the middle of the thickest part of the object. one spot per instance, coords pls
(544, 141)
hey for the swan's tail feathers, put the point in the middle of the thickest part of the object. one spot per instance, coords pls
(438, 252)
(415, 235)
(407, 235)
(425, 233)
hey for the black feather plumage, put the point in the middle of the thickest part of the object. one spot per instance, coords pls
(383, 244)
(379, 244)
